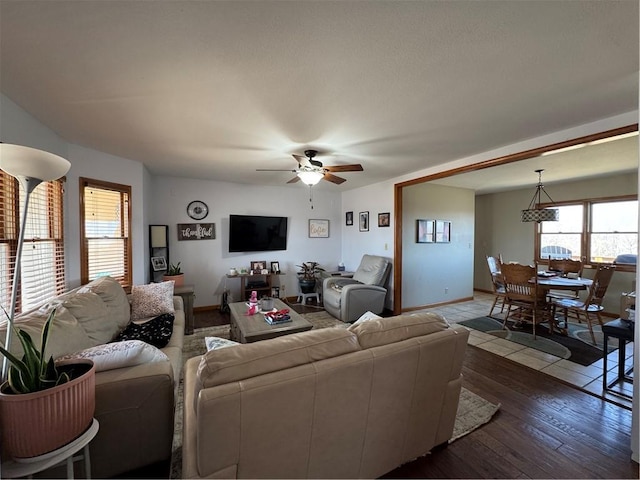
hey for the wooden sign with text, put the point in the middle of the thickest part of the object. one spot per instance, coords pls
(196, 231)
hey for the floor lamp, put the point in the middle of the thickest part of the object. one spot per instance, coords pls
(30, 167)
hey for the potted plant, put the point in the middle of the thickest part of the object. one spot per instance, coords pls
(35, 388)
(174, 273)
(307, 276)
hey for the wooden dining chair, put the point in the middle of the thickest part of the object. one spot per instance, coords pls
(592, 305)
(497, 283)
(565, 266)
(524, 299)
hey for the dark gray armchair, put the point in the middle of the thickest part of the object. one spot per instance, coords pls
(348, 298)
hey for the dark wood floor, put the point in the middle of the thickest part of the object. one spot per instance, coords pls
(544, 428)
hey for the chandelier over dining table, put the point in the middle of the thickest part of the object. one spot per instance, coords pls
(536, 214)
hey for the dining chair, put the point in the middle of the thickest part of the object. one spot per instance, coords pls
(592, 305)
(497, 283)
(565, 266)
(523, 295)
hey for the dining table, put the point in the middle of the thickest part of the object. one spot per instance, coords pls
(550, 282)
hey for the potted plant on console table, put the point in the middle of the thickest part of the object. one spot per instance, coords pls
(307, 276)
(174, 273)
(44, 405)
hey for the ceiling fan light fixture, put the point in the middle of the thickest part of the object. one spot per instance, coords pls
(310, 177)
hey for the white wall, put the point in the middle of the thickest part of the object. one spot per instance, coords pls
(437, 272)
(206, 262)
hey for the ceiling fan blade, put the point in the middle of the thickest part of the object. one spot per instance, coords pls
(334, 179)
(294, 179)
(355, 167)
(299, 158)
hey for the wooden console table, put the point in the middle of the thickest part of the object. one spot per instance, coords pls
(188, 295)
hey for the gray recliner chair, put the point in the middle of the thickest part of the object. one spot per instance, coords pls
(348, 298)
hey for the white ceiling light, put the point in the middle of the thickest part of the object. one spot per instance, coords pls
(310, 176)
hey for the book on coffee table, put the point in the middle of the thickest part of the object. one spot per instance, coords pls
(277, 320)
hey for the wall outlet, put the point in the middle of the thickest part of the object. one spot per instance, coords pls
(446, 289)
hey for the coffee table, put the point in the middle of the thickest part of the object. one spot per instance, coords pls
(253, 328)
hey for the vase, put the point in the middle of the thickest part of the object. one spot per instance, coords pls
(307, 285)
(37, 423)
(178, 279)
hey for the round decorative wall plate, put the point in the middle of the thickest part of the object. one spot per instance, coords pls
(197, 210)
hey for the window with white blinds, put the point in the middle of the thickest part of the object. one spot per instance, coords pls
(42, 266)
(105, 213)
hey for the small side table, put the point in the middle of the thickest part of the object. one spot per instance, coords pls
(65, 454)
(624, 332)
(188, 295)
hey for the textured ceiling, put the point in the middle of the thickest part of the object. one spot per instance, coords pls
(215, 89)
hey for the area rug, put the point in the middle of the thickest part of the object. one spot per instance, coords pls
(575, 347)
(473, 410)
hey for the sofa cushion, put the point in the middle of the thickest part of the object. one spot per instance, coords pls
(65, 335)
(92, 315)
(225, 365)
(156, 331)
(395, 329)
(372, 270)
(114, 297)
(119, 354)
(151, 300)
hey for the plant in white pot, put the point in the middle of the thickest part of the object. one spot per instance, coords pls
(174, 273)
(44, 405)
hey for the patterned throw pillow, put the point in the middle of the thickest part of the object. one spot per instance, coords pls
(156, 331)
(214, 343)
(365, 317)
(151, 300)
(119, 354)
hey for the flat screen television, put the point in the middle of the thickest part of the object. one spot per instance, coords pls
(253, 233)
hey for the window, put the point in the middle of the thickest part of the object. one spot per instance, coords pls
(105, 217)
(594, 230)
(42, 266)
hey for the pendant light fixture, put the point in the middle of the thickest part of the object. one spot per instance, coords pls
(536, 214)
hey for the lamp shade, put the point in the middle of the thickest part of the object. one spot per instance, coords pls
(310, 177)
(21, 161)
(541, 215)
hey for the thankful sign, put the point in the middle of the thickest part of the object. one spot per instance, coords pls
(196, 231)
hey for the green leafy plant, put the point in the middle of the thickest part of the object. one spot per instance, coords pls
(309, 270)
(174, 269)
(33, 372)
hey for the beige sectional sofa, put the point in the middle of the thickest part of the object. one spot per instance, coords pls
(135, 402)
(332, 403)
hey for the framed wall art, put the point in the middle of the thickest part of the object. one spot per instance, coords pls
(348, 218)
(384, 219)
(425, 231)
(318, 228)
(443, 231)
(364, 221)
(158, 263)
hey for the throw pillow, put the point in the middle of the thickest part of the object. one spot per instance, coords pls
(214, 343)
(156, 331)
(365, 317)
(119, 354)
(151, 300)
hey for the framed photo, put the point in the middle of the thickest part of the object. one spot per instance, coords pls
(443, 231)
(318, 228)
(275, 292)
(384, 219)
(258, 266)
(158, 263)
(425, 231)
(364, 221)
(348, 218)
(275, 267)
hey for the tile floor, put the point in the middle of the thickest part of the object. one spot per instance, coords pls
(588, 378)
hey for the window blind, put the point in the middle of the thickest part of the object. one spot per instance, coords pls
(42, 267)
(106, 227)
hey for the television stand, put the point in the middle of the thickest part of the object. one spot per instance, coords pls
(262, 283)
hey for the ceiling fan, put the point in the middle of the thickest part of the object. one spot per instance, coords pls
(311, 171)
